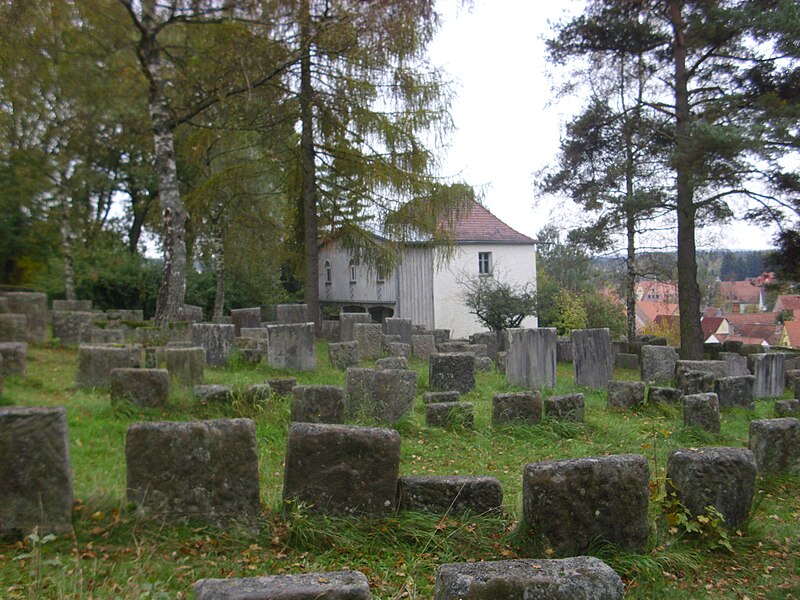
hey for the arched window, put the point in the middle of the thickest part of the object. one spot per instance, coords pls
(328, 274)
(352, 267)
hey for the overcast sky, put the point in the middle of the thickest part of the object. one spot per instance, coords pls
(507, 118)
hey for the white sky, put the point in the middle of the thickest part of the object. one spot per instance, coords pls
(507, 118)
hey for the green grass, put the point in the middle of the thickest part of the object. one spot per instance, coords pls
(114, 553)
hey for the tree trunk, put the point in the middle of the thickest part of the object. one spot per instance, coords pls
(66, 248)
(219, 272)
(688, 290)
(309, 188)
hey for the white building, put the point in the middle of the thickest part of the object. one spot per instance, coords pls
(426, 290)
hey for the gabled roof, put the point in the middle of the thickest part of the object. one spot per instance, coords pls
(743, 292)
(710, 325)
(792, 329)
(787, 302)
(648, 310)
(477, 224)
(737, 320)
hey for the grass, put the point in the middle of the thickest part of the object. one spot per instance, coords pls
(114, 553)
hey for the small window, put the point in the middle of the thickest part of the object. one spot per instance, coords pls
(328, 274)
(352, 267)
(380, 275)
(484, 263)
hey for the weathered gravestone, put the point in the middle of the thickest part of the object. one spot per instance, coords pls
(95, 363)
(35, 474)
(719, 368)
(531, 357)
(282, 385)
(292, 313)
(186, 366)
(337, 585)
(201, 470)
(450, 415)
(337, 469)
(735, 392)
(695, 382)
(213, 392)
(775, 443)
(72, 305)
(318, 404)
(625, 394)
(592, 357)
(484, 363)
(627, 361)
(13, 327)
(190, 313)
(490, 339)
(422, 346)
(34, 306)
(517, 407)
(787, 408)
(478, 495)
(452, 371)
(142, 387)
(769, 373)
(245, 317)
(216, 339)
(570, 505)
(575, 578)
(368, 336)
(392, 362)
(724, 478)
(569, 407)
(72, 328)
(737, 364)
(399, 349)
(658, 363)
(347, 322)
(380, 395)
(292, 347)
(15, 358)
(401, 327)
(255, 393)
(342, 355)
(701, 410)
(664, 395)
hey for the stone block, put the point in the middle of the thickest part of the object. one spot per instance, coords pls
(724, 478)
(524, 408)
(490, 339)
(422, 346)
(134, 315)
(255, 333)
(330, 330)
(380, 395)
(287, 314)
(216, 340)
(664, 395)
(282, 386)
(201, 470)
(186, 366)
(769, 373)
(399, 349)
(72, 328)
(787, 408)
(338, 469)
(719, 368)
(701, 410)
(450, 415)
(478, 350)
(72, 305)
(453, 371)
(571, 505)
(401, 327)
(34, 306)
(658, 363)
(627, 361)
(478, 495)
(484, 363)
(625, 394)
(531, 357)
(695, 382)
(575, 578)
(318, 403)
(592, 357)
(337, 585)
(245, 317)
(292, 347)
(569, 407)
(369, 338)
(735, 392)
(441, 335)
(775, 443)
(347, 322)
(95, 364)
(439, 397)
(190, 313)
(459, 346)
(737, 364)
(790, 376)
(213, 393)
(342, 355)
(255, 393)
(142, 387)
(13, 327)
(35, 474)
(98, 336)
(392, 362)
(15, 358)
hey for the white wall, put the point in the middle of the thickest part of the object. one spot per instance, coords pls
(513, 263)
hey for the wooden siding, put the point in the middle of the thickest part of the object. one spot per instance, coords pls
(414, 280)
(366, 289)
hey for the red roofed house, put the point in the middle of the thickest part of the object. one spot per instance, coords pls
(714, 327)
(786, 302)
(745, 295)
(648, 313)
(423, 289)
(790, 337)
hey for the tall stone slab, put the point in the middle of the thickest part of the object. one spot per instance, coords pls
(13, 327)
(72, 328)
(35, 474)
(380, 395)
(34, 306)
(401, 327)
(658, 363)
(347, 322)
(216, 339)
(245, 317)
(186, 366)
(368, 336)
(735, 392)
(451, 371)
(95, 364)
(769, 372)
(531, 357)
(287, 314)
(292, 347)
(592, 357)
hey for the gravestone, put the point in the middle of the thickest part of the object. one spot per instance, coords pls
(338, 469)
(490, 339)
(592, 357)
(775, 443)
(95, 364)
(98, 336)
(724, 478)
(186, 366)
(214, 392)
(441, 335)
(478, 495)
(292, 313)
(627, 361)
(769, 373)
(142, 387)
(695, 382)
(216, 339)
(292, 347)
(664, 395)
(342, 355)
(450, 415)
(719, 368)
(15, 358)
(531, 357)
(571, 505)
(401, 327)
(368, 336)
(255, 393)
(484, 363)
(422, 346)
(392, 362)
(72, 328)
(787, 408)
(399, 349)
(658, 363)
(34, 306)
(625, 394)
(72, 305)
(453, 371)
(439, 397)
(737, 364)
(282, 386)
(201, 470)
(459, 346)
(380, 395)
(517, 407)
(735, 392)
(318, 404)
(190, 313)
(35, 473)
(255, 333)
(13, 327)
(701, 410)
(569, 407)
(575, 578)
(245, 317)
(347, 322)
(337, 585)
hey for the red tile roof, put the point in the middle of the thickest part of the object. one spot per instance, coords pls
(709, 325)
(743, 292)
(792, 329)
(477, 224)
(786, 302)
(647, 311)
